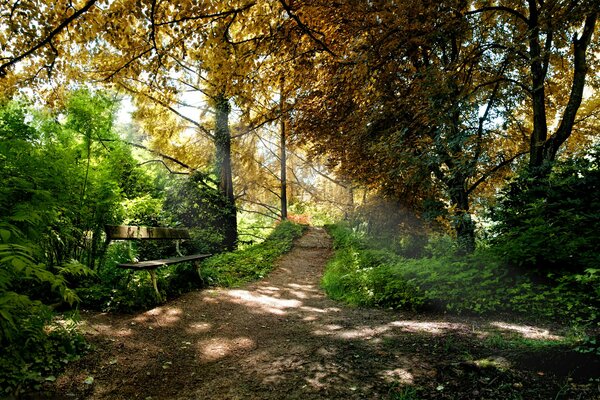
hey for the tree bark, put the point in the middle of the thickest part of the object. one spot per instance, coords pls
(543, 149)
(223, 171)
(580, 70)
(461, 217)
(538, 98)
(283, 156)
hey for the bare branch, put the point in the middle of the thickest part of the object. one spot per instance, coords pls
(508, 10)
(168, 107)
(259, 212)
(208, 16)
(164, 165)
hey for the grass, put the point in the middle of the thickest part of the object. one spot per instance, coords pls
(251, 263)
(361, 274)
(128, 291)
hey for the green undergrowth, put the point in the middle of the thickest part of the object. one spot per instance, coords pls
(361, 274)
(251, 263)
(39, 353)
(125, 290)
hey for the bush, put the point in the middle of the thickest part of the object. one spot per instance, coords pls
(552, 223)
(477, 283)
(40, 350)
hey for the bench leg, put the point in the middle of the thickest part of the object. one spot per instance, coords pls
(153, 277)
(197, 266)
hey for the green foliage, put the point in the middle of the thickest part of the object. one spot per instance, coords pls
(477, 283)
(62, 179)
(33, 346)
(39, 353)
(195, 202)
(552, 223)
(251, 263)
(125, 290)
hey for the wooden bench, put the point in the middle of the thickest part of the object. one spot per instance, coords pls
(128, 232)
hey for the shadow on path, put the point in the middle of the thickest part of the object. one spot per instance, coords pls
(279, 338)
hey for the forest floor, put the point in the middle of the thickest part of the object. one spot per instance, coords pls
(282, 338)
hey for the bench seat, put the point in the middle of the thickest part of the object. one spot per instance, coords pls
(152, 264)
(132, 232)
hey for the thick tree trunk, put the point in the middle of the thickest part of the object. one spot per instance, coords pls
(538, 73)
(223, 170)
(461, 217)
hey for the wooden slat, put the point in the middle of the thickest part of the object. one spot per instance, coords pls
(152, 264)
(126, 232)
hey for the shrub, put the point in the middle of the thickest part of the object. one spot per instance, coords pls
(41, 350)
(477, 283)
(552, 223)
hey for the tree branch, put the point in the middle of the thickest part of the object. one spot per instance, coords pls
(305, 28)
(509, 10)
(168, 107)
(53, 33)
(489, 173)
(164, 165)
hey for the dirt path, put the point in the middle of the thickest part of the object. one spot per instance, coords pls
(279, 338)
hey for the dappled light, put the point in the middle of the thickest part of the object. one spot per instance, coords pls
(198, 327)
(166, 316)
(273, 199)
(398, 375)
(106, 329)
(220, 347)
(527, 331)
(433, 328)
(287, 339)
(266, 303)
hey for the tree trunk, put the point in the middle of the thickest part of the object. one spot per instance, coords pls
(283, 158)
(461, 218)
(223, 170)
(580, 70)
(543, 149)
(538, 95)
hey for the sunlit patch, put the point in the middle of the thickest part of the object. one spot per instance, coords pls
(361, 332)
(314, 310)
(317, 380)
(270, 289)
(123, 332)
(332, 327)
(298, 294)
(427, 327)
(307, 288)
(99, 328)
(165, 316)
(210, 300)
(269, 304)
(499, 363)
(528, 332)
(398, 375)
(200, 327)
(217, 348)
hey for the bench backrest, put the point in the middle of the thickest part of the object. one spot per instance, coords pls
(128, 232)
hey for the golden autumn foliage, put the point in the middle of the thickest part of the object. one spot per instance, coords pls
(428, 100)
